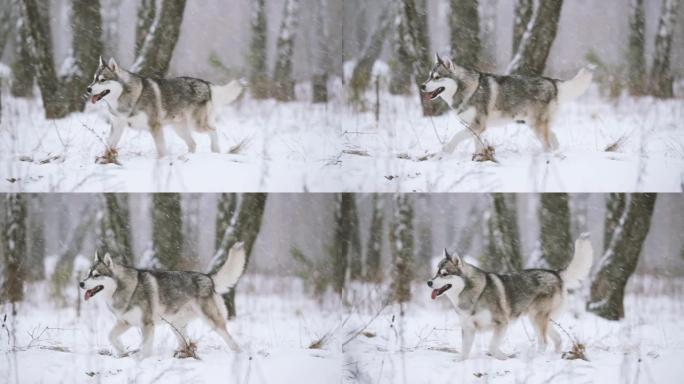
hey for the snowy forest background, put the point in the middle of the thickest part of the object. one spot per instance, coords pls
(335, 289)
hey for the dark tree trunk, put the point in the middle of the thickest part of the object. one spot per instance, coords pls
(227, 205)
(620, 259)
(35, 239)
(534, 48)
(319, 80)
(258, 67)
(400, 64)
(245, 228)
(555, 237)
(86, 25)
(361, 76)
(114, 228)
(157, 50)
(615, 207)
(22, 70)
(41, 57)
(6, 23)
(374, 245)
(339, 251)
(401, 243)
(636, 60)
(522, 17)
(661, 75)
(147, 11)
(167, 230)
(464, 24)
(414, 13)
(283, 82)
(503, 238)
(14, 248)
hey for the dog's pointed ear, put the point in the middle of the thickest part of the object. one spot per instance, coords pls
(97, 256)
(113, 65)
(107, 260)
(447, 255)
(447, 63)
(438, 59)
(456, 259)
(102, 62)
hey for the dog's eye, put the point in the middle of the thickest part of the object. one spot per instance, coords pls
(436, 77)
(443, 273)
(96, 275)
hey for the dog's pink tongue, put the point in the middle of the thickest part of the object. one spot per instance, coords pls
(93, 100)
(88, 294)
(435, 292)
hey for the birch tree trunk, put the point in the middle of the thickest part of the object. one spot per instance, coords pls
(283, 82)
(615, 207)
(339, 251)
(361, 76)
(523, 14)
(65, 259)
(355, 253)
(534, 48)
(621, 257)
(636, 60)
(244, 228)
(35, 238)
(555, 237)
(147, 11)
(113, 230)
(157, 50)
(22, 70)
(402, 242)
(400, 64)
(464, 25)
(661, 76)
(503, 247)
(258, 67)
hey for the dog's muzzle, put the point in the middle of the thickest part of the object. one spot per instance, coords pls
(95, 98)
(428, 96)
(438, 292)
(91, 292)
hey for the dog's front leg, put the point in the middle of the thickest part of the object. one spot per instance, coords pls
(158, 135)
(148, 340)
(495, 343)
(468, 336)
(119, 328)
(449, 147)
(115, 133)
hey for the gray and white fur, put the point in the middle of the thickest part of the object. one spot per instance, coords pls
(491, 301)
(482, 100)
(145, 298)
(145, 103)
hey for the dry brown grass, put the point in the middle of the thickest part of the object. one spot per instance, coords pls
(111, 156)
(487, 154)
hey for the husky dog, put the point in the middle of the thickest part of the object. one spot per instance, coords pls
(482, 99)
(145, 298)
(145, 103)
(485, 300)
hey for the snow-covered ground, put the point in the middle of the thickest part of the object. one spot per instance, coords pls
(424, 345)
(299, 146)
(276, 323)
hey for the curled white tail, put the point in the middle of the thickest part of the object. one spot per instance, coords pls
(579, 267)
(225, 94)
(571, 89)
(229, 273)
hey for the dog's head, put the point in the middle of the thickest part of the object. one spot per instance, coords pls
(449, 277)
(107, 83)
(441, 81)
(100, 277)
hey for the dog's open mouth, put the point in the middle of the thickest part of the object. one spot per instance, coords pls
(92, 292)
(434, 94)
(437, 292)
(95, 98)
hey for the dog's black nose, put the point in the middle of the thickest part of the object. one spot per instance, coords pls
(81, 284)
(90, 90)
(422, 87)
(430, 283)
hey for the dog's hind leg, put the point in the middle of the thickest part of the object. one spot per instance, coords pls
(495, 343)
(183, 131)
(541, 323)
(217, 321)
(119, 328)
(542, 128)
(213, 136)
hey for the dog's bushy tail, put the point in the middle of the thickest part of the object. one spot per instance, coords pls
(225, 94)
(571, 89)
(579, 267)
(225, 276)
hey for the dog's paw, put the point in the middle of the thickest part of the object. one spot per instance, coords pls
(110, 156)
